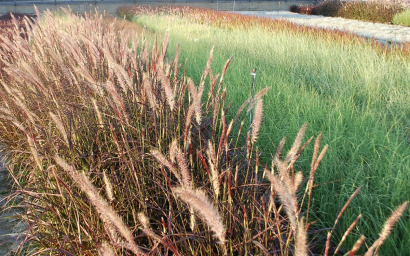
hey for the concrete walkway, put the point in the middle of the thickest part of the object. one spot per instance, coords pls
(384, 33)
(11, 231)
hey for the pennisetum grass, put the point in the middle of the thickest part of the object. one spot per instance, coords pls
(106, 158)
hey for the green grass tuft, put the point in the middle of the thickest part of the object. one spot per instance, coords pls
(402, 18)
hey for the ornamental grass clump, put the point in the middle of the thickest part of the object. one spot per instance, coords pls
(113, 150)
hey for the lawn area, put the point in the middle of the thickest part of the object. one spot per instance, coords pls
(353, 91)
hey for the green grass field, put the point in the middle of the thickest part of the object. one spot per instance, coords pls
(356, 94)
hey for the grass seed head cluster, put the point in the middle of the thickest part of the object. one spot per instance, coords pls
(114, 150)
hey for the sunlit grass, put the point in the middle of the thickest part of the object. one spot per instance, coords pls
(355, 92)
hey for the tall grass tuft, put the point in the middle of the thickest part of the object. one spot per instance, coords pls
(99, 131)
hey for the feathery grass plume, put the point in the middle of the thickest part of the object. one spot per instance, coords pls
(196, 100)
(356, 246)
(186, 180)
(213, 165)
(283, 175)
(105, 250)
(60, 127)
(278, 152)
(31, 144)
(192, 219)
(347, 233)
(146, 227)
(146, 85)
(198, 200)
(173, 148)
(183, 167)
(122, 77)
(163, 160)
(97, 111)
(119, 103)
(298, 180)
(322, 153)
(107, 214)
(257, 121)
(34, 152)
(31, 116)
(301, 248)
(169, 94)
(316, 148)
(108, 187)
(287, 198)
(387, 228)
(296, 145)
(188, 120)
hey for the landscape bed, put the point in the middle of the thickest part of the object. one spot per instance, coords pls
(112, 149)
(353, 90)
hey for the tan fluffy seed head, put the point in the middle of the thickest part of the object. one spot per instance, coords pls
(257, 121)
(213, 166)
(387, 228)
(296, 144)
(60, 127)
(301, 248)
(206, 210)
(163, 160)
(105, 250)
(108, 187)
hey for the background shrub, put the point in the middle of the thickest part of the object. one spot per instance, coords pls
(402, 18)
(327, 8)
(373, 11)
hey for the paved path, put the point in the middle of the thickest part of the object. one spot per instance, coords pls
(9, 227)
(5, 224)
(384, 33)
